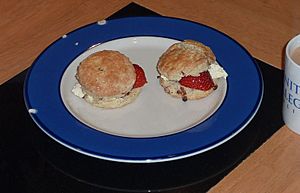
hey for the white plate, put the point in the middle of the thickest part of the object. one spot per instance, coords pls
(154, 113)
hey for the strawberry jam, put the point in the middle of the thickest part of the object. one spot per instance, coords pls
(140, 77)
(202, 82)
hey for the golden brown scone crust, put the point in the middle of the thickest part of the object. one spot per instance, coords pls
(106, 74)
(185, 58)
(175, 89)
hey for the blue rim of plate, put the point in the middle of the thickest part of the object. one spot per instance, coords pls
(44, 104)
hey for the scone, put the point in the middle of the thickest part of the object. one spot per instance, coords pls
(108, 79)
(186, 68)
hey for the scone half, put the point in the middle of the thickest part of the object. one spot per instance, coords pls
(108, 79)
(185, 70)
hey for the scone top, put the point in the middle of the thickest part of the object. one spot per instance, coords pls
(106, 74)
(185, 58)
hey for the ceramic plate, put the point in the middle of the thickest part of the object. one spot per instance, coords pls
(155, 127)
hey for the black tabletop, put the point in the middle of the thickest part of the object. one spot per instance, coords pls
(30, 161)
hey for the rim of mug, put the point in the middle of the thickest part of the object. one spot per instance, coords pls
(288, 48)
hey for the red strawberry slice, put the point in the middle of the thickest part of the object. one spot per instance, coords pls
(140, 77)
(201, 82)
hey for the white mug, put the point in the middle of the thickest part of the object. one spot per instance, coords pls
(291, 88)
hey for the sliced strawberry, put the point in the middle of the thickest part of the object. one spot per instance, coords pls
(201, 82)
(140, 77)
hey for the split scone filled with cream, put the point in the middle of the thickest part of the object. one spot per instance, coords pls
(188, 70)
(108, 79)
